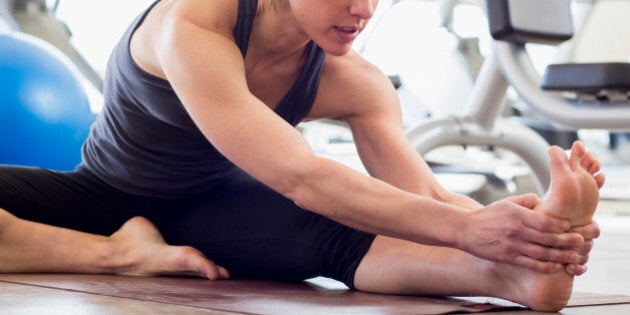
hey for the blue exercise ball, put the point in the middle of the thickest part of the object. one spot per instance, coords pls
(45, 113)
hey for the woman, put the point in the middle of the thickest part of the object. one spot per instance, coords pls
(197, 137)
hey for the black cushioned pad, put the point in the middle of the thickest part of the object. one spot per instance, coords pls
(587, 77)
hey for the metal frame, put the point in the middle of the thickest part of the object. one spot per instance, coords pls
(482, 125)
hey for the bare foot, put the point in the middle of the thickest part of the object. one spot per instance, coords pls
(575, 182)
(139, 249)
(573, 195)
(538, 291)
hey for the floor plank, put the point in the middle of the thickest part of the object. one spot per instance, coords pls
(18, 299)
(85, 293)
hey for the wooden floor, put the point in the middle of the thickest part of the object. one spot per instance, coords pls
(607, 283)
(85, 294)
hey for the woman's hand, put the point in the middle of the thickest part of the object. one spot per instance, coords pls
(590, 232)
(509, 231)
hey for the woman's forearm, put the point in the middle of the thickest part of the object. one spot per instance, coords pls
(374, 206)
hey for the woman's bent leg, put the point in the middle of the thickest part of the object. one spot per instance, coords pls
(65, 199)
(257, 233)
(73, 202)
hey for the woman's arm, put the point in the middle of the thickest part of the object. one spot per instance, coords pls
(376, 123)
(206, 70)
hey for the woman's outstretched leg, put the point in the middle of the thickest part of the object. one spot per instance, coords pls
(137, 248)
(399, 267)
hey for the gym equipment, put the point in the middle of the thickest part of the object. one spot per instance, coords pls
(44, 111)
(513, 24)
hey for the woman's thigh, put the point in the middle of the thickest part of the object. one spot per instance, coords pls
(257, 233)
(66, 199)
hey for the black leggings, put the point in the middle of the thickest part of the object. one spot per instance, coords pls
(244, 226)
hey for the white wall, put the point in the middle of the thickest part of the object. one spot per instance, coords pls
(97, 25)
(605, 34)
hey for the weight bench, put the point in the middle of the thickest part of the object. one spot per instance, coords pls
(604, 83)
(573, 96)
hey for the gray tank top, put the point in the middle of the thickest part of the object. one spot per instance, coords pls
(144, 142)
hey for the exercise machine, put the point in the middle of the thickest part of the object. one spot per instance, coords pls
(598, 93)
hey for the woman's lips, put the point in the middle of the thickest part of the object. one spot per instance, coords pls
(347, 33)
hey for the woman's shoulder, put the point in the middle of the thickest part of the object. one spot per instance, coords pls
(350, 85)
(350, 61)
(353, 71)
(169, 22)
(218, 15)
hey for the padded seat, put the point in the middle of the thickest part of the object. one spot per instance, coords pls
(587, 77)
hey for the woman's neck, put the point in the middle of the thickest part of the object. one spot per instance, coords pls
(275, 33)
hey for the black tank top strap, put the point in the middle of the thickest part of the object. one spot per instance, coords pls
(297, 103)
(246, 13)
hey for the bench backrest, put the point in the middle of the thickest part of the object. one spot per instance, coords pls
(534, 21)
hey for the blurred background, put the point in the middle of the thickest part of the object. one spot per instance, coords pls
(432, 50)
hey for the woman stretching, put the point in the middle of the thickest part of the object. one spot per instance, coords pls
(195, 148)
